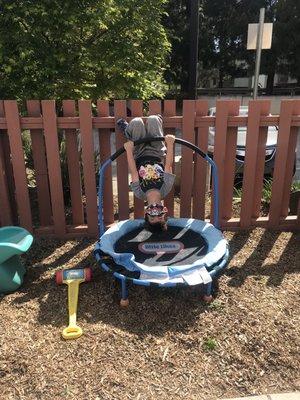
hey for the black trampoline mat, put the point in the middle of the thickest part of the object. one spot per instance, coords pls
(176, 246)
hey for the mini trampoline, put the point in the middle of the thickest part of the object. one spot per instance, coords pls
(190, 252)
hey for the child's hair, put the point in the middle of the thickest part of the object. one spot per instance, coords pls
(157, 226)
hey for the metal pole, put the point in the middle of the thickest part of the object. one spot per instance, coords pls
(194, 35)
(258, 50)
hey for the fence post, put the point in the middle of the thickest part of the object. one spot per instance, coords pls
(5, 197)
(105, 153)
(169, 111)
(40, 165)
(284, 161)
(225, 147)
(201, 166)
(88, 159)
(254, 161)
(18, 162)
(187, 169)
(73, 161)
(54, 168)
(122, 166)
(137, 111)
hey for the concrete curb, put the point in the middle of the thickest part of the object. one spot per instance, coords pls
(279, 396)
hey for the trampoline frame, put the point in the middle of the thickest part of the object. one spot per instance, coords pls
(100, 256)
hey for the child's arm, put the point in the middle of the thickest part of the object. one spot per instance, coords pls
(170, 140)
(128, 146)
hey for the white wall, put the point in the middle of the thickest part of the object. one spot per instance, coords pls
(275, 100)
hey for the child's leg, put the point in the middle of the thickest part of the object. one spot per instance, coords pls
(134, 131)
(155, 129)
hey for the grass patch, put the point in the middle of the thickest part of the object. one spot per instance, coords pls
(210, 344)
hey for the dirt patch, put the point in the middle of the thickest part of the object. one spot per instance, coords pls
(167, 344)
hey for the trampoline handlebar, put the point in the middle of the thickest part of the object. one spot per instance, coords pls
(160, 139)
(157, 139)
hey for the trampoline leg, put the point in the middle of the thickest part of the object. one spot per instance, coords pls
(124, 302)
(208, 293)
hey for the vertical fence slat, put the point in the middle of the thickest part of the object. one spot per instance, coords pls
(105, 153)
(170, 111)
(188, 133)
(255, 139)
(230, 156)
(283, 154)
(290, 163)
(224, 108)
(201, 166)
(154, 107)
(298, 216)
(6, 217)
(18, 162)
(73, 161)
(260, 167)
(137, 111)
(54, 167)
(5, 211)
(122, 166)
(10, 178)
(88, 160)
(40, 165)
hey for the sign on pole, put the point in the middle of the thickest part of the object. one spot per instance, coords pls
(252, 36)
(259, 37)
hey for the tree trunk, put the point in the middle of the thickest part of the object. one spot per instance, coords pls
(270, 82)
(221, 77)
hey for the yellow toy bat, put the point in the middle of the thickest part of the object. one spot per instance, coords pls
(73, 278)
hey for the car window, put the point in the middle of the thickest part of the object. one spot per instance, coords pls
(244, 112)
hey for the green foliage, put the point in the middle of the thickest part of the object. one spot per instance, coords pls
(295, 186)
(210, 344)
(216, 305)
(266, 192)
(288, 37)
(82, 49)
(223, 27)
(176, 24)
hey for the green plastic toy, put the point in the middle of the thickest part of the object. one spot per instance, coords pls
(14, 241)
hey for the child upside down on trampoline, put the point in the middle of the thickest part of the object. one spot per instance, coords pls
(152, 179)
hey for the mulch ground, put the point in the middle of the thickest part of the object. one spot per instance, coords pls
(168, 344)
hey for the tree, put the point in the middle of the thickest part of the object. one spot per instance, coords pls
(177, 27)
(223, 26)
(288, 37)
(82, 48)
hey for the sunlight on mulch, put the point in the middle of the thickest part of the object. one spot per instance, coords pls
(167, 344)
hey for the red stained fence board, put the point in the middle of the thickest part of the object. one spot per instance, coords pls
(254, 162)
(224, 138)
(88, 160)
(200, 165)
(18, 162)
(188, 133)
(284, 162)
(137, 111)
(40, 165)
(122, 166)
(54, 168)
(105, 153)
(73, 160)
(169, 111)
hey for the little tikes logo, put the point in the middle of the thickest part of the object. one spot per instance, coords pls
(173, 246)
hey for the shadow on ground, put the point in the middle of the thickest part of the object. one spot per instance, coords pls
(255, 265)
(152, 310)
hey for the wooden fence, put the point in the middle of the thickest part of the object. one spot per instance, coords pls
(46, 214)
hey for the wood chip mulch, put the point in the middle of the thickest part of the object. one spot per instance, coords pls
(168, 344)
